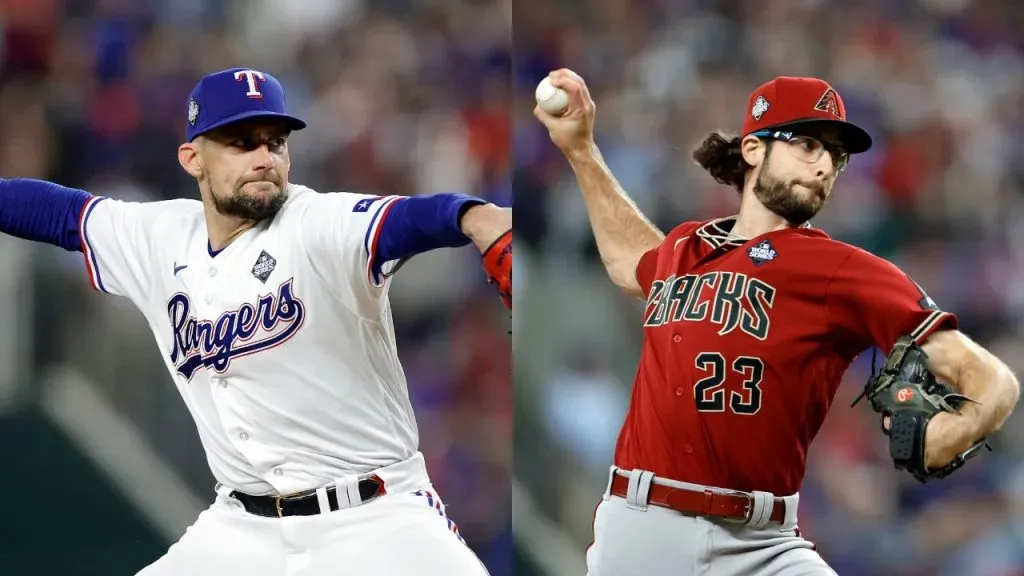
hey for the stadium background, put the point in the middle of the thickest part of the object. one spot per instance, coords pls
(938, 83)
(102, 464)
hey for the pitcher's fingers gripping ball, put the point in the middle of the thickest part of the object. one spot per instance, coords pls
(497, 263)
(551, 98)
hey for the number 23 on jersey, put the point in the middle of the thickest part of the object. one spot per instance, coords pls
(711, 394)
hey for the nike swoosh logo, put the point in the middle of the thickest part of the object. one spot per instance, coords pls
(676, 245)
(179, 268)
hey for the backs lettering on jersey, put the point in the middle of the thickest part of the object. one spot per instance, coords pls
(730, 300)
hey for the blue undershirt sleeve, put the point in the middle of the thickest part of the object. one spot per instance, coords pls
(42, 211)
(418, 224)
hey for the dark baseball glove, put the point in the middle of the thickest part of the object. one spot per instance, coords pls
(910, 396)
(497, 263)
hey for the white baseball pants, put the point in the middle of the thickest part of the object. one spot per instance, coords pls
(405, 532)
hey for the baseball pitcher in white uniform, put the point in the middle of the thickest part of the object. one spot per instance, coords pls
(269, 302)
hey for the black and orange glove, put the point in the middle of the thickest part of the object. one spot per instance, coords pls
(497, 263)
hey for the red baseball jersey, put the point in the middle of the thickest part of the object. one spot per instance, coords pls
(745, 345)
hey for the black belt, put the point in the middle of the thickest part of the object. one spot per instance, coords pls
(305, 503)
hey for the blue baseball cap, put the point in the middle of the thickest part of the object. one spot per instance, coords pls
(228, 96)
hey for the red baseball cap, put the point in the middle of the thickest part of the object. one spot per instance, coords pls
(790, 101)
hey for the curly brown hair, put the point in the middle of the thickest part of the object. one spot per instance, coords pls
(720, 155)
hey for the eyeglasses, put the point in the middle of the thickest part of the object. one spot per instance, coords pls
(810, 149)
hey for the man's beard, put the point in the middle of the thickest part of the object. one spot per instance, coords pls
(250, 206)
(780, 197)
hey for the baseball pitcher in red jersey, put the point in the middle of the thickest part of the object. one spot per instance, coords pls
(750, 323)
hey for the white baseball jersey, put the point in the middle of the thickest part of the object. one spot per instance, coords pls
(281, 344)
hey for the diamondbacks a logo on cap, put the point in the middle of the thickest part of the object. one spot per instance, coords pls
(265, 264)
(829, 102)
(762, 252)
(193, 111)
(760, 107)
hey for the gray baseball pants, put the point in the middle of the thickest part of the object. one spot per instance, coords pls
(632, 538)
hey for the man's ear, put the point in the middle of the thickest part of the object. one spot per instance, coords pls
(190, 160)
(753, 150)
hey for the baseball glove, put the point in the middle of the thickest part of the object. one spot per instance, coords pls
(906, 392)
(497, 263)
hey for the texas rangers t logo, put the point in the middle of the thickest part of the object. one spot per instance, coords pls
(250, 77)
(235, 333)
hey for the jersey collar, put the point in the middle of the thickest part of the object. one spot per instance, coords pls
(718, 233)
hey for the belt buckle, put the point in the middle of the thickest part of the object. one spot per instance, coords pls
(748, 510)
(277, 505)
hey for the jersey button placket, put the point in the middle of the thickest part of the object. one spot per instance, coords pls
(676, 339)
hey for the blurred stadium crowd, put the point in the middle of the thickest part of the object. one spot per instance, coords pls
(401, 96)
(938, 83)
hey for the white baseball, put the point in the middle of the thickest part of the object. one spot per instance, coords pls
(551, 99)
